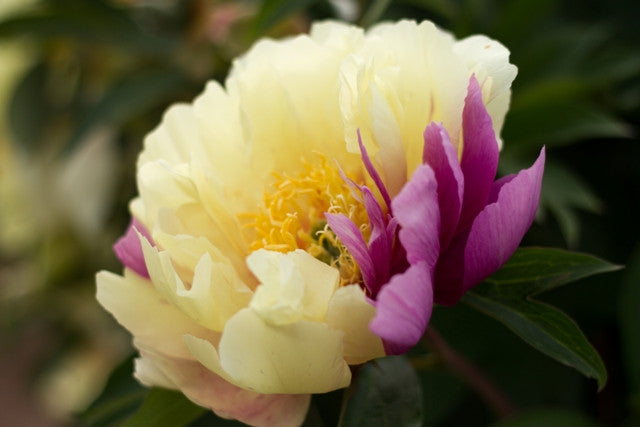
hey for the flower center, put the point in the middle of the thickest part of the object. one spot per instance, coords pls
(292, 216)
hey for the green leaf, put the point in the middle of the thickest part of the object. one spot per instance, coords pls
(545, 328)
(560, 122)
(386, 392)
(547, 418)
(165, 408)
(274, 11)
(506, 296)
(531, 271)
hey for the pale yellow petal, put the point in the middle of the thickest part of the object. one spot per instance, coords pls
(302, 357)
(293, 286)
(350, 312)
(148, 374)
(489, 61)
(216, 293)
(205, 352)
(228, 401)
(279, 297)
(137, 306)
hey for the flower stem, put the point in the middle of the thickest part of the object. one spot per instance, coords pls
(470, 374)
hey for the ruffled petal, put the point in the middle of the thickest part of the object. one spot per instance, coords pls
(479, 161)
(211, 391)
(216, 292)
(301, 357)
(137, 306)
(403, 309)
(494, 235)
(129, 251)
(441, 156)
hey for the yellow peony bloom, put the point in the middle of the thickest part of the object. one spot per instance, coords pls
(236, 291)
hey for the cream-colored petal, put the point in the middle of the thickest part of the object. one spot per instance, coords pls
(283, 122)
(205, 352)
(137, 306)
(302, 357)
(350, 312)
(164, 186)
(341, 37)
(489, 61)
(228, 401)
(279, 297)
(216, 293)
(186, 251)
(293, 286)
(386, 132)
(147, 373)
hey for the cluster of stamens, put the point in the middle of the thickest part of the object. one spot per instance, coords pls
(292, 216)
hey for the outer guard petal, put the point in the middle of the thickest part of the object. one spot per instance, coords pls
(209, 390)
(416, 208)
(479, 161)
(137, 306)
(403, 309)
(301, 357)
(494, 235)
(499, 228)
(129, 251)
(441, 156)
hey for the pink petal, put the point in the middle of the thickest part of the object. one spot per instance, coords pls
(209, 390)
(494, 235)
(417, 212)
(479, 161)
(129, 251)
(403, 309)
(380, 242)
(351, 237)
(441, 156)
(373, 173)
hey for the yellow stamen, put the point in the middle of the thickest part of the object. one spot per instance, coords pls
(292, 216)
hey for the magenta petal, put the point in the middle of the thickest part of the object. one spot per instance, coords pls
(499, 228)
(351, 237)
(441, 156)
(128, 248)
(373, 173)
(417, 212)
(380, 242)
(403, 309)
(479, 161)
(494, 235)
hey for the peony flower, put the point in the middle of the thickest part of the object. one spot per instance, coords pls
(260, 265)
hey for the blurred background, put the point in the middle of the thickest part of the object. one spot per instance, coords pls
(82, 82)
